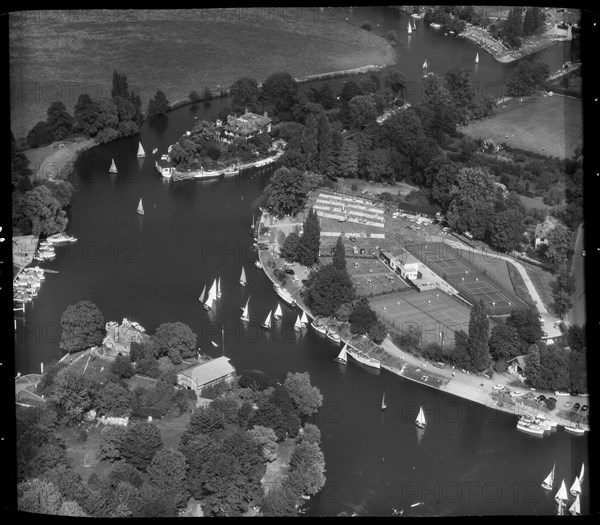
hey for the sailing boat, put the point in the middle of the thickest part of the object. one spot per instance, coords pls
(420, 421)
(581, 474)
(298, 324)
(243, 277)
(113, 167)
(477, 58)
(278, 314)
(414, 25)
(267, 323)
(547, 483)
(425, 64)
(409, 29)
(140, 208)
(245, 316)
(201, 298)
(141, 152)
(304, 319)
(219, 287)
(575, 509)
(575, 489)
(342, 356)
(212, 296)
(383, 405)
(561, 495)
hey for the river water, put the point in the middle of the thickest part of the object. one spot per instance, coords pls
(469, 460)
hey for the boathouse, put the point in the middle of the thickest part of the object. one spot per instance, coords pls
(200, 376)
(245, 126)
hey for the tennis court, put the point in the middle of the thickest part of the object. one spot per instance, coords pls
(436, 313)
(449, 264)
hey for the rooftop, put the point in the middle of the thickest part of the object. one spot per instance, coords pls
(210, 371)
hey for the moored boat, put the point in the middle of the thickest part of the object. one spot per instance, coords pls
(343, 355)
(285, 295)
(575, 429)
(322, 329)
(298, 324)
(333, 336)
(530, 428)
(363, 359)
(304, 319)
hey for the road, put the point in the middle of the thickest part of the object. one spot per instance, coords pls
(577, 314)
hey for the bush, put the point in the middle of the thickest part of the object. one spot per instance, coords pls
(367, 25)
(550, 403)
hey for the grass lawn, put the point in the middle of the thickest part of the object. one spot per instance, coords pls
(518, 284)
(551, 122)
(542, 280)
(277, 470)
(57, 55)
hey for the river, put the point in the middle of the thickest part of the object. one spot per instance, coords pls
(468, 461)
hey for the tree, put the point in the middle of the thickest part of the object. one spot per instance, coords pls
(410, 338)
(194, 96)
(20, 172)
(307, 467)
(38, 497)
(527, 324)
(339, 255)
(308, 247)
(82, 326)
(244, 94)
(204, 420)
(286, 193)
(362, 110)
(458, 82)
(71, 508)
(140, 442)
(280, 90)
(440, 114)
(562, 303)
(559, 240)
(327, 289)
(378, 332)
(309, 145)
(265, 438)
(158, 105)
(280, 501)
(122, 367)
(153, 503)
(444, 181)
(478, 348)
(61, 190)
(527, 77)
(377, 166)
(362, 317)
(124, 472)
(59, 121)
(395, 81)
(323, 141)
(110, 442)
(176, 340)
(506, 229)
(40, 135)
(289, 250)
(115, 400)
(167, 472)
(311, 433)
(73, 394)
(37, 212)
(306, 398)
(504, 342)
(148, 366)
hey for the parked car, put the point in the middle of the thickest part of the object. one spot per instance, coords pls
(439, 364)
(567, 404)
(584, 408)
(353, 239)
(289, 271)
(541, 398)
(576, 406)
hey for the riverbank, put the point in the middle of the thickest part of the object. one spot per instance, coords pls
(501, 53)
(56, 161)
(475, 388)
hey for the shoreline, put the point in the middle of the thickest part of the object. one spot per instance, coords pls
(470, 387)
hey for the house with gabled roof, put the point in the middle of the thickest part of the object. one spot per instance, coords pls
(245, 126)
(200, 376)
(119, 337)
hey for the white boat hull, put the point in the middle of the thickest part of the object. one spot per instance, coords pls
(364, 360)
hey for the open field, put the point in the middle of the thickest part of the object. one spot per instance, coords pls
(433, 311)
(57, 55)
(542, 280)
(554, 123)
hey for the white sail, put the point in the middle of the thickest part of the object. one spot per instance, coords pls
(414, 25)
(243, 277)
(304, 319)
(278, 313)
(575, 509)
(267, 323)
(342, 357)
(245, 316)
(219, 287)
(383, 405)
(140, 208)
(561, 495)
(477, 58)
(420, 421)
(425, 64)
(409, 29)
(576, 487)
(201, 298)
(113, 167)
(141, 152)
(547, 483)
(298, 324)
(212, 296)
(581, 474)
